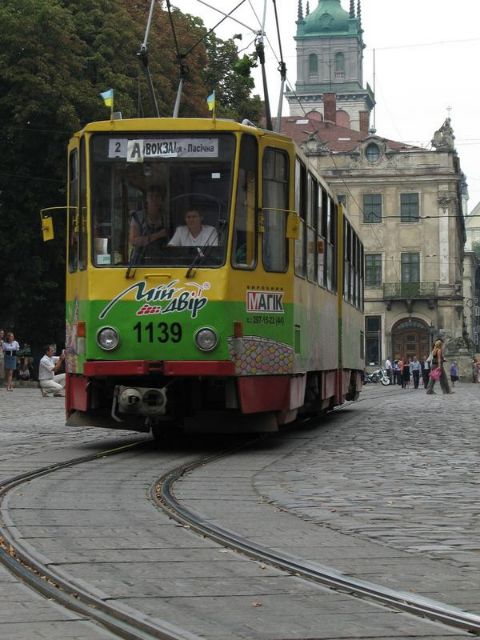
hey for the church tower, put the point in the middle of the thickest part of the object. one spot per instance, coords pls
(330, 61)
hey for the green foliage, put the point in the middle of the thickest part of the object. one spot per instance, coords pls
(231, 78)
(55, 59)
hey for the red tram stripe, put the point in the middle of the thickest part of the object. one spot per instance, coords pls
(168, 368)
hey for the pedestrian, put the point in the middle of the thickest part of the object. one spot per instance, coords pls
(405, 368)
(49, 379)
(437, 371)
(10, 347)
(397, 378)
(2, 363)
(426, 369)
(389, 368)
(415, 369)
(453, 373)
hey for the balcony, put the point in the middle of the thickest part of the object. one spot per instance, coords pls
(409, 292)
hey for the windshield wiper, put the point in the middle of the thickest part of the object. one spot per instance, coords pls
(203, 252)
(135, 258)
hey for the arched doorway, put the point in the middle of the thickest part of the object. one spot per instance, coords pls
(410, 337)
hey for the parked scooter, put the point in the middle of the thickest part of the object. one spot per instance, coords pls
(379, 375)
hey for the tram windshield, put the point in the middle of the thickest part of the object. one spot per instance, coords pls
(160, 199)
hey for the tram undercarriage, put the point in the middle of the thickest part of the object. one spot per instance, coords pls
(214, 404)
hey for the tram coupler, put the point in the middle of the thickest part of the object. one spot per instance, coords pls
(142, 401)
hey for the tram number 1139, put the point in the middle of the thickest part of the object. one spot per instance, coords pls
(162, 332)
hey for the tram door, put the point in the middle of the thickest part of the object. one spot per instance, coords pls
(410, 338)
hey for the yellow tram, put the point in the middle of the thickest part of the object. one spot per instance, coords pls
(213, 281)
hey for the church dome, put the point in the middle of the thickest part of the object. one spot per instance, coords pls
(328, 17)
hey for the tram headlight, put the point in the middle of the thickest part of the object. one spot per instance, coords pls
(206, 339)
(108, 339)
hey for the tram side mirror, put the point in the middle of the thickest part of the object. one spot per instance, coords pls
(47, 227)
(292, 225)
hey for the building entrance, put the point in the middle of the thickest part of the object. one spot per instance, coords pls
(410, 337)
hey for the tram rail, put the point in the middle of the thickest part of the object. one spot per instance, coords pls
(39, 576)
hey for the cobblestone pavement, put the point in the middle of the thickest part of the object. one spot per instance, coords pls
(33, 434)
(369, 491)
(399, 469)
(404, 470)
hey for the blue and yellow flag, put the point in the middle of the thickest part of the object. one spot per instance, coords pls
(108, 98)
(211, 103)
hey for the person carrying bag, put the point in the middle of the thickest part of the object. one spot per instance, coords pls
(436, 371)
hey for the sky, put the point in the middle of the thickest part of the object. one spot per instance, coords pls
(427, 59)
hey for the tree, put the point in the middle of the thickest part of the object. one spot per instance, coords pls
(232, 80)
(56, 57)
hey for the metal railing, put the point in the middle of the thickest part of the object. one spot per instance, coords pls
(409, 290)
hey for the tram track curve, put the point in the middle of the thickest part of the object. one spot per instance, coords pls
(38, 575)
(163, 493)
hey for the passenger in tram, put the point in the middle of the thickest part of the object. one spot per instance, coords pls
(148, 226)
(194, 233)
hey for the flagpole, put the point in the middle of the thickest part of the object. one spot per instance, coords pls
(212, 104)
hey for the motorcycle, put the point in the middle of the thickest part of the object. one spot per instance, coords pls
(379, 375)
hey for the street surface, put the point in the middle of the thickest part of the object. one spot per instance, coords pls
(385, 489)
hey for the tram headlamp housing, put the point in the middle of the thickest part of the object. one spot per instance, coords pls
(108, 339)
(206, 339)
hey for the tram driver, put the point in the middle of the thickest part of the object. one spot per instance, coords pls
(148, 226)
(194, 233)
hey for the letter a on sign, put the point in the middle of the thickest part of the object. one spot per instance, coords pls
(135, 151)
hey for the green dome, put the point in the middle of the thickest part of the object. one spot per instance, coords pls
(328, 17)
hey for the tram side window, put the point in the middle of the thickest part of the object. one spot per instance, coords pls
(311, 230)
(275, 210)
(244, 236)
(362, 276)
(331, 231)
(358, 267)
(82, 245)
(353, 267)
(301, 208)
(347, 266)
(321, 236)
(73, 217)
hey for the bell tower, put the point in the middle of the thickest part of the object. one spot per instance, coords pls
(330, 61)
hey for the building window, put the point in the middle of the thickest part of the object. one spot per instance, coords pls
(410, 267)
(372, 152)
(312, 64)
(339, 66)
(372, 207)
(373, 268)
(409, 207)
(373, 332)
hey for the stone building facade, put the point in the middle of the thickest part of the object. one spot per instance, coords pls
(406, 202)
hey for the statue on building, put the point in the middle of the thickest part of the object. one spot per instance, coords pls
(443, 139)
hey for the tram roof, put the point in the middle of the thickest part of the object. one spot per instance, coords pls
(175, 125)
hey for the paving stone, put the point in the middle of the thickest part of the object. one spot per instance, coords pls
(392, 502)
